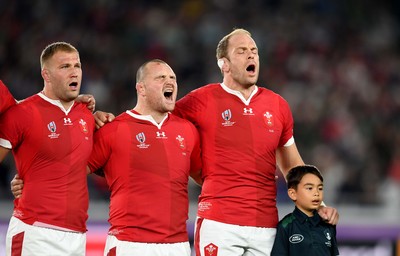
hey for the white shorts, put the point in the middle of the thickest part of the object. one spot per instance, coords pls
(23, 239)
(220, 239)
(115, 247)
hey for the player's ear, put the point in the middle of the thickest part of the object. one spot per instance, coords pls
(140, 88)
(292, 194)
(45, 75)
(222, 64)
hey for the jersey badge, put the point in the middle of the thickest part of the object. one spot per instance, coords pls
(328, 237)
(211, 250)
(181, 142)
(18, 213)
(248, 112)
(83, 125)
(67, 121)
(296, 238)
(268, 119)
(141, 138)
(161, 135)
(52, 128)
(227, 116)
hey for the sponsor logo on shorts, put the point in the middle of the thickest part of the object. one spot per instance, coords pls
(211, 250)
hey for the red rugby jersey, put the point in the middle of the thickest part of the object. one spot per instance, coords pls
(147, 167)
(239, 139)
(51, 147)
(6, 99)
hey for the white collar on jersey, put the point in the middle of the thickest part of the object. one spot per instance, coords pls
(56, 103)
(238, 94)
(147, 118)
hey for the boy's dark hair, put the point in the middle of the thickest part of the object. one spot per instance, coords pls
(295, 174)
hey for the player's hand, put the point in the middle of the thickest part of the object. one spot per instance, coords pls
(329, 214)
(88, 99)
(17, 185)
(102, 118)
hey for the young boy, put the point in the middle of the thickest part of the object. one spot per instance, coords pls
(303, 232)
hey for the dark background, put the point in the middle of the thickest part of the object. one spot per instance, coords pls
(336, 63)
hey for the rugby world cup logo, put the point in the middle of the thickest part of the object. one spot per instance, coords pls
(226, 116)
(52, 126)
(141, 138)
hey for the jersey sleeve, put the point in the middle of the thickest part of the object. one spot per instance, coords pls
(287, 117)
(335, 244)
(102, 143)
(6, 99)
(195, 158)
(189, 107)
(12, 125)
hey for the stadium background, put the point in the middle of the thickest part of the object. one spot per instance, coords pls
(336, 62)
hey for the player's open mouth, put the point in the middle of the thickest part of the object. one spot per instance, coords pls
(251, 68)
(74, 85)
(168, 94)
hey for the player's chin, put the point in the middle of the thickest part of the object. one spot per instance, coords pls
(72, 96)
(169, 107)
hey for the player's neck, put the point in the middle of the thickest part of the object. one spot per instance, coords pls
(157, 116)
(246, 91)
(66, 104)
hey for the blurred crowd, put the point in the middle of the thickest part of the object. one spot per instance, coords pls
(337, 63)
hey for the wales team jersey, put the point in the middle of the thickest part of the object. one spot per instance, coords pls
(147, 167)
(238, 138)
(6, 99)
(51, 147)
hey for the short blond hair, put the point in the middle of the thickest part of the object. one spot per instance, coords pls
(222, 48)
(53, 48)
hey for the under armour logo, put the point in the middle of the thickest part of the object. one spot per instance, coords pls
(160, 134)
(248, 110)
(67, 120)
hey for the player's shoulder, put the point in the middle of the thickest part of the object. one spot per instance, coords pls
(26, 104)
(205, 89)
(269, 92)
(179, 120)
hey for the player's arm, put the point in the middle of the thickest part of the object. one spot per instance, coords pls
(17, 184)
(196, 176)
(3, 153)
(288, 157)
